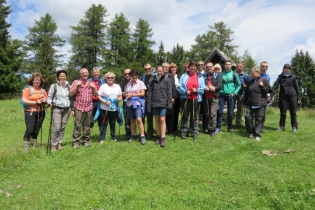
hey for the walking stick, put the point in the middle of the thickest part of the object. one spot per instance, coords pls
(193, 114)
(103, 121)
(179, 122)
(48, 148)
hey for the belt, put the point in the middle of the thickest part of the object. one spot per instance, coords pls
(58, 107)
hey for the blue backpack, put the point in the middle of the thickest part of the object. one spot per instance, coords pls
(31, 93)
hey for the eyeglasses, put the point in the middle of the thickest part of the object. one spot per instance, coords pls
(264, 66)
(207, 67)
(134, 75)
(216, 68)
(110, 77)
(199, 64)
(148, 69)
(127, 74)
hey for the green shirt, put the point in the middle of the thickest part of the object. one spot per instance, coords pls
(230, 83)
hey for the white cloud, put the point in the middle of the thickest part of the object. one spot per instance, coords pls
(270, 30)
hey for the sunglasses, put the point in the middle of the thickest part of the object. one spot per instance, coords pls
(199, 64)
(110, 77)
(265, 66)
(127, 74)
(209, 67)
(149, 69)
(134, 75)
(217, 68)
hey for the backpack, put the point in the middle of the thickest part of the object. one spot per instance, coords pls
(100, 81)
(31, 93)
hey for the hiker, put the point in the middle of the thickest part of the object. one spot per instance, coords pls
(149, 116)
(109, 96)
(135, 107)
(191, 87)
(34, 98)
(263, 73)
(213, 82)
(83, 90)
(239, 98)
(230, 87)
(170, 112)
(200, 115)
(255, 102)
(122, 85)
(59, 100)
(97, 82)
(289, 95)
(217, 68)
(159, 100)
(176, 105)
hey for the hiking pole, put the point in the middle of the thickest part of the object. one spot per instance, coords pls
(48, 148)
(41, 131)
(179, 122)
(193, 115)
(103, 122)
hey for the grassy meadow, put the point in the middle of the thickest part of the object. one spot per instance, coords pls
(223, 172)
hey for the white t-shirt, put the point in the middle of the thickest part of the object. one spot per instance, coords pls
(109, 92)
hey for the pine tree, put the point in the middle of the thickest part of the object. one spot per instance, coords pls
(303, 68)
(142, 43)
(248, 61)
(41, 44)
(161, 55)
(10, 56)
(119, 43)
(88, 40)
(218, 36)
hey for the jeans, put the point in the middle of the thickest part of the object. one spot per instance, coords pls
(108, 117)
(230, 107)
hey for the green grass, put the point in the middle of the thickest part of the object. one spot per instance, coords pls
(224, 172)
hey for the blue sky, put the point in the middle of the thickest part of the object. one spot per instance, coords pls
(270, 30)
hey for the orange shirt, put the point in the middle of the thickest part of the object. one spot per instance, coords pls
(37, 94)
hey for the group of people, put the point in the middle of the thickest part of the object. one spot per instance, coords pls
(174, 102)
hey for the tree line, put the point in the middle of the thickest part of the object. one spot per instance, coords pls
(108, 44)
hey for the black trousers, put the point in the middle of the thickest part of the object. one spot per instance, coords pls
(149, 120)
(176, 108)
(33, 123)
(258, 114)
(190, 110)
(127, 123)
(283, 105)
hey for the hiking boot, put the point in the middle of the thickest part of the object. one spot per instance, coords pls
(102, 142)
(162, 141)
(87, 144)
(262, 131)
(142, 140)
(33, 142)
(230, 130)
(281, 128)
(132, 137)
(257, 138)
(212, 133)
(53, 149)
(76, 145)
(183, 136)
(149, 136)
(60, 147)
(294, 129)
(26, 146)
(158, 139)
(251, 136)
(217, 131)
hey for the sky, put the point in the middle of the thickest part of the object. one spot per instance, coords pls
(272, 31)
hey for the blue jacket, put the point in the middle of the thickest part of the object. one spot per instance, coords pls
(182, 88)
(134, 101)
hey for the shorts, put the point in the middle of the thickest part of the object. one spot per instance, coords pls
(159, 111)
(134, 113)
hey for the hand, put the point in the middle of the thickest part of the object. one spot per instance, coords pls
(232, 95)
(207, 88)
(299, 101)
(194, 90)
(107, 103)
(261, 83)
(91, 84)
(173, 101)
(188, 92)
(129, 95)
(43, 100)
(212, 88)
(79, 83)
(72, 113)
(272, 100)
(245, 106)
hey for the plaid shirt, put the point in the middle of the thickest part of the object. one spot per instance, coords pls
(83, 101)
